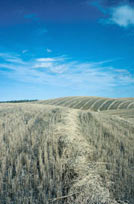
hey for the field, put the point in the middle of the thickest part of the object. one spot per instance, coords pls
(72, 150)
(92, 103)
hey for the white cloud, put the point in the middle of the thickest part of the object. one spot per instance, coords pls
(42, 65)
(48, 50)
(91, 76)
(59, 68)
(15, 60)
(46, 59)
(123, 16)
(11, 58)
(7, 55)
(24, 51)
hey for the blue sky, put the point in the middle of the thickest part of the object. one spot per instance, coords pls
(56, 48)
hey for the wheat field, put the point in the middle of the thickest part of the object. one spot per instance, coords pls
(92, 103)
(72, 150)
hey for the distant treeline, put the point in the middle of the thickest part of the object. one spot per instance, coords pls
(18, 101)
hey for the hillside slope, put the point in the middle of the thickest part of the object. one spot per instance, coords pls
(92, 103)
(53, 154)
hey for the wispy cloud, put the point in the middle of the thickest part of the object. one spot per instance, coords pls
(122, 16)
(13, 58)
(40, 27)
(119, 12)
(48, 50)
(41, 30)
(32, 16)
(65, 73)
(43, 65)
(24, 51)
(46, 59)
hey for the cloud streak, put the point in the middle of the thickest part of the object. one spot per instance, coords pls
(95, 76)
(31, 16)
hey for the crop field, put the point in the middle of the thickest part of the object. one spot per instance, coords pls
(70, 150)
(92, 103)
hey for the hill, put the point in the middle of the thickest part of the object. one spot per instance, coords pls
(92, 103)
(67, 155)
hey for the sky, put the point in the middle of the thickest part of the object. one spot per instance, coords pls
(57, 48)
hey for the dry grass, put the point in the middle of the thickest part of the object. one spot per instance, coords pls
(91, 103)
(52, 154)
(112, 140)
